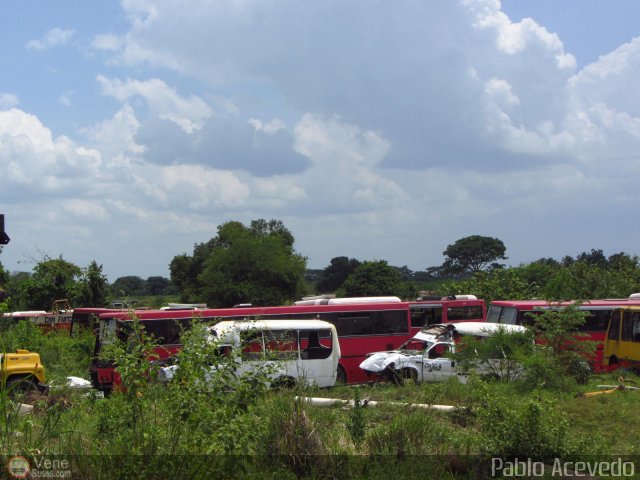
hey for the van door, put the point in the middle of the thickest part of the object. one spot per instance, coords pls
(316, 357)
(436, 366)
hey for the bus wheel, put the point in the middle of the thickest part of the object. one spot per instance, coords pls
(341, 376)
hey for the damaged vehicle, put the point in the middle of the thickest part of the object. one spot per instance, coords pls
(288, 352)
(433, 354)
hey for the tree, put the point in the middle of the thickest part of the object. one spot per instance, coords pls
(158, 286)
(377, 279)
(595, 257)
(93, 287)
(129, 285)
(473, 254)
(500, 284)
(255, 264)
(336, 273)
(52, 279)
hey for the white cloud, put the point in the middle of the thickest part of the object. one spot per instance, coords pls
(31, 156)
(372, 131)
(53, 38)
(85, 208)
(107, 42)
(8, 100)
(65, 99)
(188, 113)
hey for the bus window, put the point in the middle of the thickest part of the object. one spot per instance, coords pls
(354, 323)
(251, 345)
(425, 315)
(493, 314)
(614, 329)
(636, 327)
(460, 314)
(509, 316)
(389, 322)
(596, 321)
(165, 332)
(317, 344)
(500, 314)
(631, 327)
(281, 344)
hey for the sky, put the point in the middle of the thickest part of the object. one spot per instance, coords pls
(129, 131)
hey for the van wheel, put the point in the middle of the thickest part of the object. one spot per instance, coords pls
(21, 386)
(283, 383)
(341, 376)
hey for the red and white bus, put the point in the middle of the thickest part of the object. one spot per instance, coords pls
(59, 318)
(364, 325)
(521, 312)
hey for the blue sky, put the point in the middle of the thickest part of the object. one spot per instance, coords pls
(130, 130)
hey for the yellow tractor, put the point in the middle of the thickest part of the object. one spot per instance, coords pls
(22, 372)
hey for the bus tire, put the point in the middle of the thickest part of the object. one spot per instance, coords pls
(341, 376)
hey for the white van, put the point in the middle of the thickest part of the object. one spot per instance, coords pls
(424, 358)
(296, 351)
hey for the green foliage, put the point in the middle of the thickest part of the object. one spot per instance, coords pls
(131, 285)
(498, 356)
(334, 275)
(376, 279)
(92, 289)
(473, 254)
(52, 279)
(60, 354)
(255, 264)
(528, 429)
(497, 284)
(357, 425)
(561, 360)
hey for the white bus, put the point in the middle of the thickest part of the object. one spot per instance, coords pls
(295, 351)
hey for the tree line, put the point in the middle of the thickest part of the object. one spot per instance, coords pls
(258, 264)
(55, 278)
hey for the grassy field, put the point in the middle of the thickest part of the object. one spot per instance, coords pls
(236, 428)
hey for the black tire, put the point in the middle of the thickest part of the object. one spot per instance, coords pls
(283, 383)
(341, 376)
(21, 386)
(408, 374)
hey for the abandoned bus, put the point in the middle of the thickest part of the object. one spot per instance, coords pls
(522, 312)
(364, 325)
(622, 346)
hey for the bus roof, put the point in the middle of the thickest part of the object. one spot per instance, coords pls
(288, 324)
(584, 304)
(210, 313)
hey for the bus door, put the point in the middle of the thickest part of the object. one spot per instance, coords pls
(623, 337)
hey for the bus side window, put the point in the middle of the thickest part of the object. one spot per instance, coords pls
(636, 327)
(281, 344)
(627, 327)
(311, 344)
(509, 315)
(614, 329)
(252, 348)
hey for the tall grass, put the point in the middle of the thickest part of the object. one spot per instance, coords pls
(234, 427)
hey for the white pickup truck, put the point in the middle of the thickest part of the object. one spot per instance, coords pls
(425, 357)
